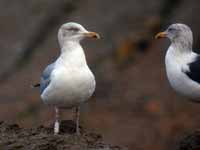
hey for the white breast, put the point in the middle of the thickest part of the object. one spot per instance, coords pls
(175, 64)
(72, 82)
(69, 87)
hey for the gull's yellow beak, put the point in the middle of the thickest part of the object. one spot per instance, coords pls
(92, 35)
(161, 35)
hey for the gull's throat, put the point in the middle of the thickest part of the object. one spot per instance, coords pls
(73, 54)
(182, 47)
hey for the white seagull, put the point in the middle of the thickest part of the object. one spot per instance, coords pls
(182, 63)
(68, 82)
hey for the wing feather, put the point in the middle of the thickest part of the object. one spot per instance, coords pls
(45, 79)
(194, 70)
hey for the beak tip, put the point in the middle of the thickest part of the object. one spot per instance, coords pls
(160, 35)
(156, 36)
(93, 35)
(97, 36)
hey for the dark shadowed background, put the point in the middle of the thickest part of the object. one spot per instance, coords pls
(133, 104)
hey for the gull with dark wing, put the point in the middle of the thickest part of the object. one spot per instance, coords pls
(182, 63)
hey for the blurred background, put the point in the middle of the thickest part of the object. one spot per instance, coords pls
(133, 104)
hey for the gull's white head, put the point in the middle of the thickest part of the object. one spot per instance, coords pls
(178, 34)
(74, 32)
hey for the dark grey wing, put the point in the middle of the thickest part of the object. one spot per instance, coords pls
(45, 79)
(194, 70)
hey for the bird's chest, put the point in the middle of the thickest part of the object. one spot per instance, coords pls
(72, 84)
(174, 73)
(74, 79)
(180, 82)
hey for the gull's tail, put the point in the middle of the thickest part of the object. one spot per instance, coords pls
(35, 85)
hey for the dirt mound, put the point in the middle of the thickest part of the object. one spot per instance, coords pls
(190, 141)
(12, 137)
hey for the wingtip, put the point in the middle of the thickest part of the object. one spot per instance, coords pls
(35, 85)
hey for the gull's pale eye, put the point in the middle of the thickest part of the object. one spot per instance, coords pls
(73, 29)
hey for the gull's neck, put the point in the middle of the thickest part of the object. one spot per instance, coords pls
(69, 46)
(183, 44)
(72, 54)
(179, 54)
(181, 47)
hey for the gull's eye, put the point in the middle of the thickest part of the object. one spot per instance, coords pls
(73, 29)
(171, 30)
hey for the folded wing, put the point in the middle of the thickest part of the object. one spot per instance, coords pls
(45, 79)
(194, 70)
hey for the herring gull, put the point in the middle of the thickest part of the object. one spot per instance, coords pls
(68, 82)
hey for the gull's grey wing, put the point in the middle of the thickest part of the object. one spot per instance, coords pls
(194, 70)
(45, 79)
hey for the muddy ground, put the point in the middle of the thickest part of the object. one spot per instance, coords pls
(190, 141)
(13, 137)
